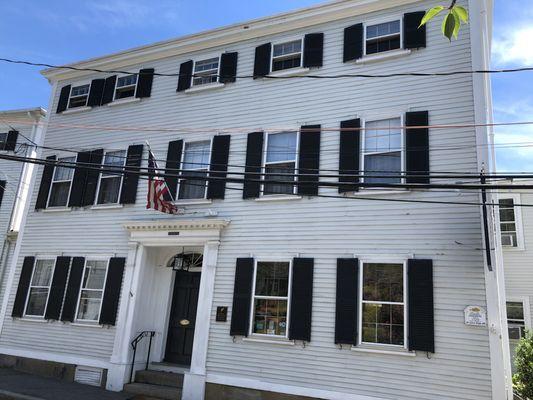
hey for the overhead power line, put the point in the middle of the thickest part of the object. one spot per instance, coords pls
(307, 76)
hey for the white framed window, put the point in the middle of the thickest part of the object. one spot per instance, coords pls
(280, 157)
(39, 290)
(92, 290)
(61, 184)
(382, 151)
(382, 305)
(110, 183)
(79, 96)
(518, 317)
(270, 299)
(510, 221)
(195, 160)
(126, 86)
(383, 36)
(287, 55)
(206, 71)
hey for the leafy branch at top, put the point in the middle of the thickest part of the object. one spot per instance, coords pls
(451, 24)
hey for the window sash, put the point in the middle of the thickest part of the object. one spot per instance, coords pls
(125, 86)
(205, 76)
(57, 182)
(384, 37)
(508, 228)
(32, 286)
(75, 97)
(84, 289)
(110, 175)
(203, 166)
(267, 164)
(286, 56)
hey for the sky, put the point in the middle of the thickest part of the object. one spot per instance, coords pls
(61, 31)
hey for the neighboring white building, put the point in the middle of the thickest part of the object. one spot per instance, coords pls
(287, 292)
(20, 130)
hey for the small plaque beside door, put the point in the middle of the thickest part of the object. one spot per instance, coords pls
(184, 322)
(222, 314)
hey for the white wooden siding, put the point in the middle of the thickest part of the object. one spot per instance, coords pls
(324, 229)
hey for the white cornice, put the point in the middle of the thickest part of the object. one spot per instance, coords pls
(173, 225)
(228, 35)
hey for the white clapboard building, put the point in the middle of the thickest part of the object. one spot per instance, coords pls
(306, 286)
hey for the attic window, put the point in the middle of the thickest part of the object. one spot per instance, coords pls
(287, 55)
(383, 37)
(126, 86)
(78, 96)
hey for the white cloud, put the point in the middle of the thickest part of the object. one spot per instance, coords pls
(514, 47)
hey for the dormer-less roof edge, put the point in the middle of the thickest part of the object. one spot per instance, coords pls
(227, 35)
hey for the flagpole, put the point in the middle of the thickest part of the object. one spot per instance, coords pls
(150, 150)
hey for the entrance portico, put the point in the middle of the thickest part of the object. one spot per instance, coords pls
(147, 293)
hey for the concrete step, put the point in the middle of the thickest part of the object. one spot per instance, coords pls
(159, 378)
(153, 391)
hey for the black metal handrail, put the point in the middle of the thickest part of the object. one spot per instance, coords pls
(134, 344)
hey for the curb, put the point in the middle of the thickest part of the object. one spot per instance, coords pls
(7, 395)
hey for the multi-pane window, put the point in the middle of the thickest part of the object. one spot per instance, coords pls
(516, 320)
(383, 37)
(61, 181)
(383, 304)
(280, 159)
(111, 182)
(78, 96)
(270, 300)
(39, 290)
(92, 290)
(205, 71)
(196, 165)
(287, 55)
(508, 229)
(126, 86)
(3, 140)
(382, 151)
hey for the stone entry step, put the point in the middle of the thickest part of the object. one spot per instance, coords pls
(155, 385)
(159, 378)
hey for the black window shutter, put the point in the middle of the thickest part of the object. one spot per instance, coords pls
(131, 174)
(113, 285)
(46, 181)
(301, 299)
(91, 181)
(309, 160)
(313, 50)
(413, 36)
(228, 67)
(417, 147)
(349, 153)
(219, 166)
(24, 284)
(254, 158)
(175, 148)
(109, 89)
(144, 86)
(262, 60)
(95, 95)
(346, 302)
(63, 99)
(11, 142)
(73, 289)
(421, 331)
(79, 180)
(185, 78)
(57, 290)
(242, 297)
(353, 42)
(2, 189)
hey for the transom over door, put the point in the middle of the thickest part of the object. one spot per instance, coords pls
(182, 318)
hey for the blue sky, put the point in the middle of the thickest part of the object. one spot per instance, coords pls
(65, 31)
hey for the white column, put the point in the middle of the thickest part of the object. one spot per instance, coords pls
(194, 381)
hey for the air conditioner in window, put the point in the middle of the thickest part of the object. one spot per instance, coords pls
(508, 240)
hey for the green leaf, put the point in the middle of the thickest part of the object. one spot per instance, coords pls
(448, 25)
(457, 24)
(461, 12)
(430, 14)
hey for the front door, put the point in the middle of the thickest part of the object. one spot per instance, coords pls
(182, 318)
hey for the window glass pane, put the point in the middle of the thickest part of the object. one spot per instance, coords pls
(506, 227)
(37, 301)
(193, 188)
(515, 310)
(383, 282)
(206, 65)
(59, 194)
(114, 159)
(281, 147)
(382, 136)
(509, 239)
(286, 63)
(287, 48)
(196, 155)
(3, 140)
(383, 323)
(272, 279)
(109, 190)
(386, 28)
(383, 164)
(42, 274)
(94, 275)
(80, 90)
(126, 80)
(271, 185)
(270, 317)
(506, 202)
(64, 173)
(380, 45)
(507, 214)
(89, 308)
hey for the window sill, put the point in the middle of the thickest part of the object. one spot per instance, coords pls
(113, 206)
(376, 192)
(76, 110)
(275, 197)
(192, 202)
(283, 342)
(87, 324)
(289, 72)
(127, 100)
(203, 88)
(385, 350)
(383, 56)
(509, 248)
(39, 320)
(56, 209)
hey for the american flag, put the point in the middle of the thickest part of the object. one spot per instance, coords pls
(158, 191)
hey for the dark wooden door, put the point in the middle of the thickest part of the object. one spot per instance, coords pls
(182, 318)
